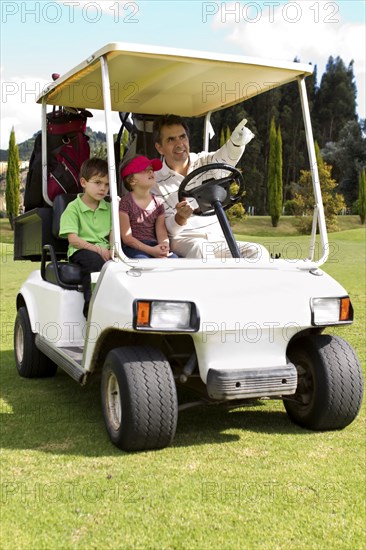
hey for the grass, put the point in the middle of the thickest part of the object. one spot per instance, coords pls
(244, 478)
(260, 226)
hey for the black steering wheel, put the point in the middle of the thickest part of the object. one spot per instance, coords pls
(212, 190)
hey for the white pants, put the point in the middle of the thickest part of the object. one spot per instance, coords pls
(211, 245)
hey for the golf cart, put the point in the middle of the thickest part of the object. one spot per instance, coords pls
(230, 330)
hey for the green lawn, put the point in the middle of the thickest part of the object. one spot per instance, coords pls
(233, 479)
(261, 226)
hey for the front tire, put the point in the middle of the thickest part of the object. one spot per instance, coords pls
(30, 362)
(330, 383)
(139, 399)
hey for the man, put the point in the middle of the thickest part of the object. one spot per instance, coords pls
(194, 236)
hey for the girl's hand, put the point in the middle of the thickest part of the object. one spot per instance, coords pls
(160, 250)
(164, 245)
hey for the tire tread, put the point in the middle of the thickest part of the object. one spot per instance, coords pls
(338, 383)
(149, 399)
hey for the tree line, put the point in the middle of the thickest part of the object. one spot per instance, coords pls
(275, 164)
(336, 128)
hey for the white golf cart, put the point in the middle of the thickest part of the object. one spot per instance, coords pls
(233, 329)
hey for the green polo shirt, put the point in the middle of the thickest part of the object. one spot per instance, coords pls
(94, 226)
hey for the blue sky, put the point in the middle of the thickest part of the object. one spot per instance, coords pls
(42, 37)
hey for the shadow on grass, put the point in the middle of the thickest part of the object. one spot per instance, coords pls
(207, 423)
(56, 415)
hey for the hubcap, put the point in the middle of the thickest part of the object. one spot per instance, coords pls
(114, 402)
(305, 388)
(19, 343)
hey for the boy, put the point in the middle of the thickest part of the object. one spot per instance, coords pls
(87, 223)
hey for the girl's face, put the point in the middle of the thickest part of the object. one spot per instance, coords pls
(144, 179)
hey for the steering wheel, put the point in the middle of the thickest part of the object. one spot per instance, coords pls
(212, 190)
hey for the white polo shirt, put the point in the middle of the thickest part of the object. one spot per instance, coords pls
(168, 182)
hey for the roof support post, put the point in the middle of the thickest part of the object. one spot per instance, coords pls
(110, 150)
(319, 209)
(206, 137)
(44, 153)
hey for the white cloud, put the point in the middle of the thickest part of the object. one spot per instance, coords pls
(19, 108)
(306, 30)
(313, 37)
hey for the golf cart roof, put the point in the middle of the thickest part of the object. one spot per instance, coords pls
(156, 80)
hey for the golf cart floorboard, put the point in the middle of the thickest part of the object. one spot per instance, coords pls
(74, 353)
(67, 358)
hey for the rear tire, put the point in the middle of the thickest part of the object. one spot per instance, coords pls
(30, 362)
(139, 399)
(330, 383)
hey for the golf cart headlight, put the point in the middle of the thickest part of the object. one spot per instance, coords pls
(160, 315)
(331, 311)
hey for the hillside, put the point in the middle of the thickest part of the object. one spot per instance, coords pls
(96, 140)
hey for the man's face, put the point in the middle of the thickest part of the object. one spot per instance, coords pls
(174, 146)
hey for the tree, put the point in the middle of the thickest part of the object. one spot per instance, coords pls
(335, 100)
(275, 174)
(295, 155)
(347, 156)
(279, 165)
(12, 193)
(303, 201)
(222, 137)
(362, 196)
(99, 150)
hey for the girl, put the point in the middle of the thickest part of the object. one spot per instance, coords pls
(142, 215)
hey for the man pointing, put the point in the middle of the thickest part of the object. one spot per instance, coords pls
(194, 236)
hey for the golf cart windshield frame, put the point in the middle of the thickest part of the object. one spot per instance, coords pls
(190, 61)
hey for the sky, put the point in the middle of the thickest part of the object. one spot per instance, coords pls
(39, 38)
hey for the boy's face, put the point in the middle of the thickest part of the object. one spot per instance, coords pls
(96, 187)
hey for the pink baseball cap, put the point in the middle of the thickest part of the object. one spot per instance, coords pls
(138, 164)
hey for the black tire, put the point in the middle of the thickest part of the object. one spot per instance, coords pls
(330, 383)
(139, 399)
(30, 362)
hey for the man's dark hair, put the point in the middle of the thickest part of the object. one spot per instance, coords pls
(92, 167)
(167, 120)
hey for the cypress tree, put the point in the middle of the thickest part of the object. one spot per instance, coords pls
(222, 137)
(318, 155)
(362, 196)
(228, 134)
(275, 174)
(279, 163)
(12, 192)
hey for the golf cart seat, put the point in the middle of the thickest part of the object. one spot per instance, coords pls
(61, 273)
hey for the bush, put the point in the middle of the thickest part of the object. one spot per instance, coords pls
(236, 212)
(291, 208)
(304, 224)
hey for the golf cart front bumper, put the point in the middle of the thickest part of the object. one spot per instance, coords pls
(248, 383)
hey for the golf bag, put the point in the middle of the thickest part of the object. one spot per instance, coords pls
(67, 148)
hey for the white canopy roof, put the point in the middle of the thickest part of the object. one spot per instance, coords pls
(155, 80)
